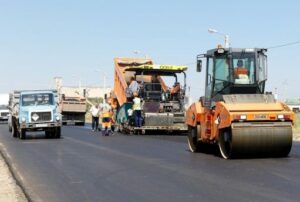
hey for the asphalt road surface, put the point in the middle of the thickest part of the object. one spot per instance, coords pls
(84, 166)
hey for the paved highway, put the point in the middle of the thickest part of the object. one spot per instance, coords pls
(84, 166)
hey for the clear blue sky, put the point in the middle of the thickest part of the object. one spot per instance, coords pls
(43, 39)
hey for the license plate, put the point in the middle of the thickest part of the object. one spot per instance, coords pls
(260, 116)
(41, 125)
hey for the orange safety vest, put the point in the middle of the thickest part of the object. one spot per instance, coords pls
(240, 70)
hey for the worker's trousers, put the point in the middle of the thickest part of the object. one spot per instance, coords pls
(138, 118)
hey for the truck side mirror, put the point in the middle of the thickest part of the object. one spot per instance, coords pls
(199, 65)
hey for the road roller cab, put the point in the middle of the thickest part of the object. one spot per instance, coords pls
(235, 112)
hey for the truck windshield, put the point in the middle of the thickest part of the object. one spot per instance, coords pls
(37, 99)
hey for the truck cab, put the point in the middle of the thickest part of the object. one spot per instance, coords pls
(35, 111)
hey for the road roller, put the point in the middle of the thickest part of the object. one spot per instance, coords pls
(236, 113)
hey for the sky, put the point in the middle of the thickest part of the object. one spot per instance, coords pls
(77, 40)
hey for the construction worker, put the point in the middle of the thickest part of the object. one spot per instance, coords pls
(137, 109)
(175, 90)
(241, 73)
(95, 116)
(133, 86)
(240, 69)
(106, 114)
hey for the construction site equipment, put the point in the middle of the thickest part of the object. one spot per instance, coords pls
(4, 112)
(73, 110)
(34, 110)
(235, 112)
(161, 109)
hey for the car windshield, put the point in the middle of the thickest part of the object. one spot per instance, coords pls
(37, 99)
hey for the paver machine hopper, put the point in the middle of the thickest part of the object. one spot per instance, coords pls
(162, 110)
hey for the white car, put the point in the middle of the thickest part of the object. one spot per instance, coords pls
(4, 113)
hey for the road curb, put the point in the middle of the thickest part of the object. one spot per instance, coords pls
(14, 173)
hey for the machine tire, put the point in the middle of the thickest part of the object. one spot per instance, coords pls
(121, 128)
(23, 134)
(48, 134)
(58, 132)
(192, 139)
(225, 145)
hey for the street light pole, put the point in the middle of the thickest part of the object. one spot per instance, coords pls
(104, 81)
(226, 36)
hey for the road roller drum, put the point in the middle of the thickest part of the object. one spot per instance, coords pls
(256, 139)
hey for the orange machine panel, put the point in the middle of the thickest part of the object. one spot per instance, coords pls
(121, 78)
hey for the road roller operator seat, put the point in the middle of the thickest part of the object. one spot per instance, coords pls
(241, 73)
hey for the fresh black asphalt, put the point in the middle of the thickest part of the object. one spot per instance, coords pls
(85, 166)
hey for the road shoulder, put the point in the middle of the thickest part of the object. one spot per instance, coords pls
(9, 190)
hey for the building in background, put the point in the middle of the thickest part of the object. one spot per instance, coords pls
(84, 91)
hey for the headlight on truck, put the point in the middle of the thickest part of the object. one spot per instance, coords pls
(23, 120)
(57, 118)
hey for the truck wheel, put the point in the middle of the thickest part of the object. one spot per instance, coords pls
(58, 132)
(47, 134)
(193, 139)
(23, 134)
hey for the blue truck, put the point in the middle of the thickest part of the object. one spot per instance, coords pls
(34, 110)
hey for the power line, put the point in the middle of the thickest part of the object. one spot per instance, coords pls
(191, 63)
(271, 47)
(283, 45)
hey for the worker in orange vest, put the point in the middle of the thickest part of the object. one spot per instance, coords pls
(106, 114)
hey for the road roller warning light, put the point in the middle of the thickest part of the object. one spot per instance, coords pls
(235, 111)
